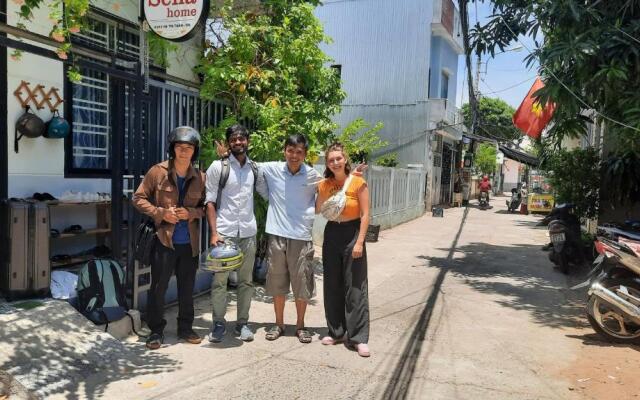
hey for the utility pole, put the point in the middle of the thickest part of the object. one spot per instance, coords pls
(477, 88)
(464, 22)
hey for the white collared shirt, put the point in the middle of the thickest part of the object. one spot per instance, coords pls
(235, 216)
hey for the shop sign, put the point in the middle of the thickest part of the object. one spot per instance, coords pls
(540, 202)
(175, 19)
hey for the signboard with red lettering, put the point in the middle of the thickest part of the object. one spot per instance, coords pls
(174, 19)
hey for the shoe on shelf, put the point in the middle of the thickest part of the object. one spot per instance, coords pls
(154, 341)
(190, 336)
(244, 332)
(217, 332)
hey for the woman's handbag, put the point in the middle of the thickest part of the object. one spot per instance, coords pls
(332, 208)
(317, 233)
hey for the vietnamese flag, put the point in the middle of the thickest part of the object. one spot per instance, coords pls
(532, 117)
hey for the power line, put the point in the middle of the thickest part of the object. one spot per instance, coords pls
(584, 103)
(510, 87)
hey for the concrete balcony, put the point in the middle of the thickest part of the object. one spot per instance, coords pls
(446, 23)
(445, 118)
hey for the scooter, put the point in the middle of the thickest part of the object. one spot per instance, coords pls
(564, 233)
(483, 202)
(613, 307)
(514, 202)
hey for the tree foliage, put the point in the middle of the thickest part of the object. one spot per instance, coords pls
(575, 178)
(360, 139)
(589, 59)
(268, 67)
(494, 120)
(485, 158)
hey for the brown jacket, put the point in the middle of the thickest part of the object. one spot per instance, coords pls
(159, 191)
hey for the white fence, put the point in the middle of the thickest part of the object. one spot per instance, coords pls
(396, 195)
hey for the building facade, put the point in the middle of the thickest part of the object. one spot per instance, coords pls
(119, 117)
(398, 61)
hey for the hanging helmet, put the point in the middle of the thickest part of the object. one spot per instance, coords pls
(183, 134)
(222, 258)
(29, 125)
(57, 127)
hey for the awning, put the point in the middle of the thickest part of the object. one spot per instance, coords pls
(519, 156)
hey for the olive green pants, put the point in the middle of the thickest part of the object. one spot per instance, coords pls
(245, 282)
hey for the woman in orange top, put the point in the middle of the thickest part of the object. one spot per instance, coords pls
(344, 256)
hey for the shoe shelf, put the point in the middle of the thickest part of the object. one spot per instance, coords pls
(80, 203)
(71, 261)
(96, 231)
(100, 224)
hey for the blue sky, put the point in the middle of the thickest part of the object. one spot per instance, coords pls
(502, 72)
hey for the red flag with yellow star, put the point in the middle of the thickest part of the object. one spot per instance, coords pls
(532, 117)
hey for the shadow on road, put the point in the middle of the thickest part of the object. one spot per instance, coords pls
(593, 339)
(54, 350)
(524, 279)
(403, 373)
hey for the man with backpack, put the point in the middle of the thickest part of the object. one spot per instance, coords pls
(229, 198)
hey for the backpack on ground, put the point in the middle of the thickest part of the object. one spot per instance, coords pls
(101, 295)
(224, 177)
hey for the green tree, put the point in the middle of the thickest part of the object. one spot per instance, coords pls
(268, 67)
(360, 139)
(485, 158)
(589, 59)
(575, 178)
(494, 120)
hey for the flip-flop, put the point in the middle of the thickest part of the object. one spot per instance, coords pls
(304, 336)
(274, 332)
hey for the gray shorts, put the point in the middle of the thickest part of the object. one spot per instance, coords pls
(290, 263)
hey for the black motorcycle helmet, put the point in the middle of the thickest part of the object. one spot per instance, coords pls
(29, 125)
(183, 134)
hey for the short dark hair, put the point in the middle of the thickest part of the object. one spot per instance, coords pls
(236, 129)
(295, 140)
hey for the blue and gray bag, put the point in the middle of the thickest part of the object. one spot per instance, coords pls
(101, 296)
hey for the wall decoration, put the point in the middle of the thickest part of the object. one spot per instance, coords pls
(37, 96)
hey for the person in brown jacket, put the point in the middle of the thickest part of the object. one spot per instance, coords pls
(172, 193)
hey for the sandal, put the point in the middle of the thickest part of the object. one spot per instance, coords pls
(274, 332)
(304, 336)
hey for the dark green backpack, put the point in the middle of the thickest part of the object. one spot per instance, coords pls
(101, 295)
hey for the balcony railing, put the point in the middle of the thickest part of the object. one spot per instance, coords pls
(444, 111)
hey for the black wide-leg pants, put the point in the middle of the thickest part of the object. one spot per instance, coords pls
(346, 298)
(165, 263)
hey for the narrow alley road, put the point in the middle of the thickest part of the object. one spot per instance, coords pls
(462, 307)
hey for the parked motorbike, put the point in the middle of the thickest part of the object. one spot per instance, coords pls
(564, 234)
(613, 307)
(514, 202)
(484, 200)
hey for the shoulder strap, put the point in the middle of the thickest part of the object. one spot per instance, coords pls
(117, 282)
(95, 283)
(346, 184)
(224, 177)
(254, 168)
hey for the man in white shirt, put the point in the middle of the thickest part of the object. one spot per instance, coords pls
(233, 220)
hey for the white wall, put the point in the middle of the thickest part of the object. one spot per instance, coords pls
(39, 165)
(510, 170)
